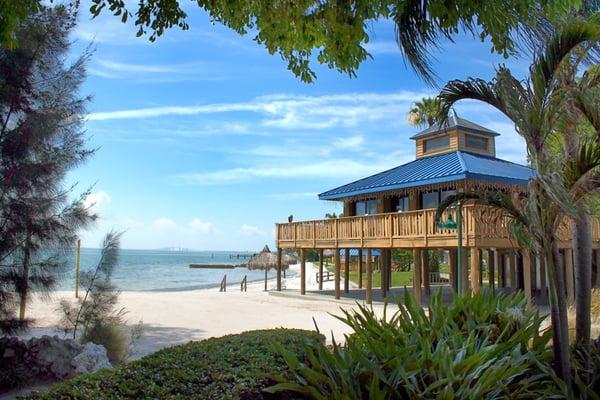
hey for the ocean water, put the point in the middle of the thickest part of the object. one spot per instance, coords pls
(164, 270)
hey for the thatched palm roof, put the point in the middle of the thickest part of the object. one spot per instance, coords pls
(267, 260)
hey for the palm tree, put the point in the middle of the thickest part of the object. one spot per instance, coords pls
(424, 112)
(535, 106)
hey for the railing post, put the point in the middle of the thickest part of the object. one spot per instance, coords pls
(295, 234)
(336, 232)
(362, 231)
(314, 233)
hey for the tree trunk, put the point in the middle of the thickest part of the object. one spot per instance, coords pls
(558, 312)
(24, 284)
(582, 255)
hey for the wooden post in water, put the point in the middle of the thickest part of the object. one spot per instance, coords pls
(266, 276)
(320, 269)
(77, 263)
(279, 269)
(369, 278)
(360, 268)
(302, 271)
(336, 257)
(346, 270)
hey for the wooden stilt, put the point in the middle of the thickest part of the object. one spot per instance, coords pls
(597, 284)
(452, 258)
(512, 270)
(279, 269)
(569, 277)
(266, 278)
(360, 268)
(417, 265)
(493, 263)
(527, 275)
(425, 266)
(346, 270)
(302, 271)
(465, 270)
(337, 273)
(369, 288)
(475, 269)
(501, 269)
(320, 269)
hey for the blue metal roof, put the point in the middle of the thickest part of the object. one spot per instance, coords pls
(455, 122)
(447, 167)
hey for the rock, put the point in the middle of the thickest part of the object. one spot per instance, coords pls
(92, 358)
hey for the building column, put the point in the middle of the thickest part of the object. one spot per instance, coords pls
(527, 275)
(569, 277)
(320, 269)
(279, 269)
(452, 258)
(543, 283)
(425, 275)
(475, 269)
(360, 268)
(346, 270)
(417, 275)
(383, 271)
(302, 271)
(500, 269)
(369, 278)
(597, 283)
(465, 270)
(492, 263)
(337, 273)
(512, 270)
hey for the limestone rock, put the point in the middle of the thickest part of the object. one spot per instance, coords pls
(91, 358)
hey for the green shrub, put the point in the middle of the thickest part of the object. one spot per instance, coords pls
(112, 337)
(230, 367)
(479, 347)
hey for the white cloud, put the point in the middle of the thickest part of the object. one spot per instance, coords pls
(96, 200)
(135, 68)
(293, 112)
(349, 143)
(383, 47)
(198, 226)
(164, 224)
(335, 168)
(251, 230)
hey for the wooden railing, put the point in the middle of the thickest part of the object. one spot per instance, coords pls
(482, 226)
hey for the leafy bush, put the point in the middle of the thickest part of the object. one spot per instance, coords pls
(479, 347)
(230, 367)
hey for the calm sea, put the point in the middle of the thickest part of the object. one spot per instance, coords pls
(163, 270)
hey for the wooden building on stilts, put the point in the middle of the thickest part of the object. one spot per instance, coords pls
(396, 209)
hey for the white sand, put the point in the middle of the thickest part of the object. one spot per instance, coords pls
(177, 317)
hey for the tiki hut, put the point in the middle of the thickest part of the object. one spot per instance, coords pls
(266, 260)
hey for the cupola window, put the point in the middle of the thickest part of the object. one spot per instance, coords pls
(476, 142)
(438, 143)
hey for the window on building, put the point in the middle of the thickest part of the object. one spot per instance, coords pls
(366, 207)
(438, 143)
(403, 204)
(430, 199)
(476, 142)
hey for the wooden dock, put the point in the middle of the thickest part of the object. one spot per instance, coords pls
(216, 266)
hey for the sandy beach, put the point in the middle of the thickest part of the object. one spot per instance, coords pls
(171, 318)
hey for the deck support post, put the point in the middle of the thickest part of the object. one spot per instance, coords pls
(320, 269)
(543, 281)
(360, 268)
(369, 288)
(279, 269)
(425, 275)
(493, 263)
(417, 265)
(501, 269)
(452, 259)
(597, 283)
(302, 271)
(346, 270)
(336, 258)
(569, 277)
(512, 270)
(465, 270)
(475, 269)
(527, 276)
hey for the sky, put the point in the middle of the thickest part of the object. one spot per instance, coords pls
(204, 140)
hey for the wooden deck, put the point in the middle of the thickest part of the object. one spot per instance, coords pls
(483, 227)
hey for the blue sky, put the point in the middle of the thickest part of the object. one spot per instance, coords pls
(205, 140)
